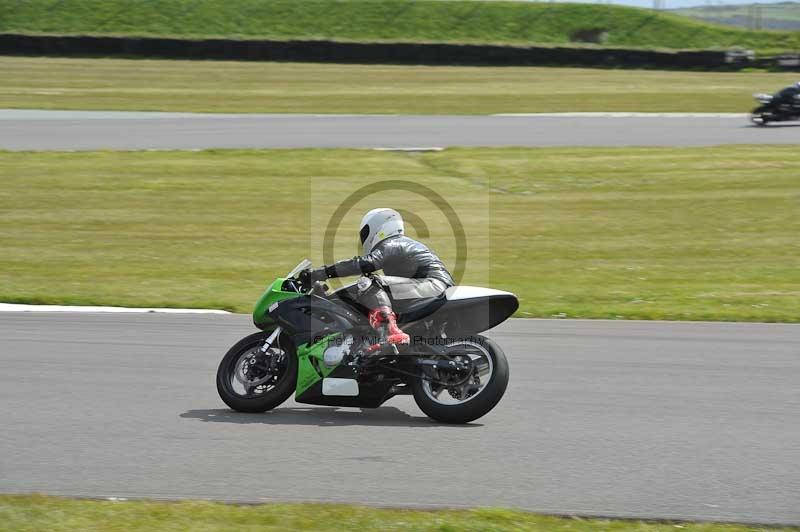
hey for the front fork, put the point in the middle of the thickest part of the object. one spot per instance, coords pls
(264, 350)
(270, 340)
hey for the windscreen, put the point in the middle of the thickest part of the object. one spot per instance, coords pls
(304, 265)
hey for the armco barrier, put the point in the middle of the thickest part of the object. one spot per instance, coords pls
(343, 52)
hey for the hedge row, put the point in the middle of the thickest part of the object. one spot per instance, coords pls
(342, 52)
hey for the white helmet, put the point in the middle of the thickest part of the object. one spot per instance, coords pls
(378, 225)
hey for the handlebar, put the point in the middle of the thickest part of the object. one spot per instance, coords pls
(304, 285)
(318, 289)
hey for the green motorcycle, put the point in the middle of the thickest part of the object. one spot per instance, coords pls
(318, 344)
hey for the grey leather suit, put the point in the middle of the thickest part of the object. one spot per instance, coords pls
(412, 271)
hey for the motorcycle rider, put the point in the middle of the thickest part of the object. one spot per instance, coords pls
(412, 271)
(789, 95)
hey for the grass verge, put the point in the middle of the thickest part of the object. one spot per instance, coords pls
(36, 512)
(650, 233)
(247, 87)
(382, 20)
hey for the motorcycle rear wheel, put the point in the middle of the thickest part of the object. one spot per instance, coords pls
(260, 396)
(441, 404)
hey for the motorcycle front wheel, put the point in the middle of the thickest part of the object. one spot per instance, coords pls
(760, 116)
(451, 397)
(249, 380)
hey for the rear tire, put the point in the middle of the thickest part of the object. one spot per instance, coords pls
(476, 406)
(272, 397)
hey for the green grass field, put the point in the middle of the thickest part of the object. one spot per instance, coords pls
(215, 86)
(35, 513)
(651, 233)
(380, 20)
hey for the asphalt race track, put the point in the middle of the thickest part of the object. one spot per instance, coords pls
(635, 419)
(85, 130)
(625, 419)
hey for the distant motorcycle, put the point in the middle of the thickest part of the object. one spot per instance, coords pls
(320, 346)
(780, 107)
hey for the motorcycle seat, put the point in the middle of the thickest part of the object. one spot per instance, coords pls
(413, 310)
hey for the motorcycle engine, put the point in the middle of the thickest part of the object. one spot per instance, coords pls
(337, 349)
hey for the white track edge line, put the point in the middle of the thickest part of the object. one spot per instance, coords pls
(621, 115)
(57, 114)
(14, 307)
(412, 149)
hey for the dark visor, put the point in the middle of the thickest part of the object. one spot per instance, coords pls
(364, 233)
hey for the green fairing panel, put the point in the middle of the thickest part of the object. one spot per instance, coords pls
(310, 364)
(271, 295)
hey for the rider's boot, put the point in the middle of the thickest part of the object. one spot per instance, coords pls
(384, 320)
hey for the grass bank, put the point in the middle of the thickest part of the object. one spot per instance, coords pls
(651, 233)
(382, 20)
(34, 513)
(215, 86)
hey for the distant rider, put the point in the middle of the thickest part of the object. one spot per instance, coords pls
(789, 95)
(412, 271)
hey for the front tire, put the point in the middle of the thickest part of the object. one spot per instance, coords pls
(266, 395)
(470, 408)
(761, 116)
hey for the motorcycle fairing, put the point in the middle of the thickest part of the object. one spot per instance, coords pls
(459, 293)
(467, 310)
(370, 394)
(308, 318)
(275, 293)
(312, 371)
(310, 364)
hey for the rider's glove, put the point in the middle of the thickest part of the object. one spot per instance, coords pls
(306, 277)
(320, 274)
